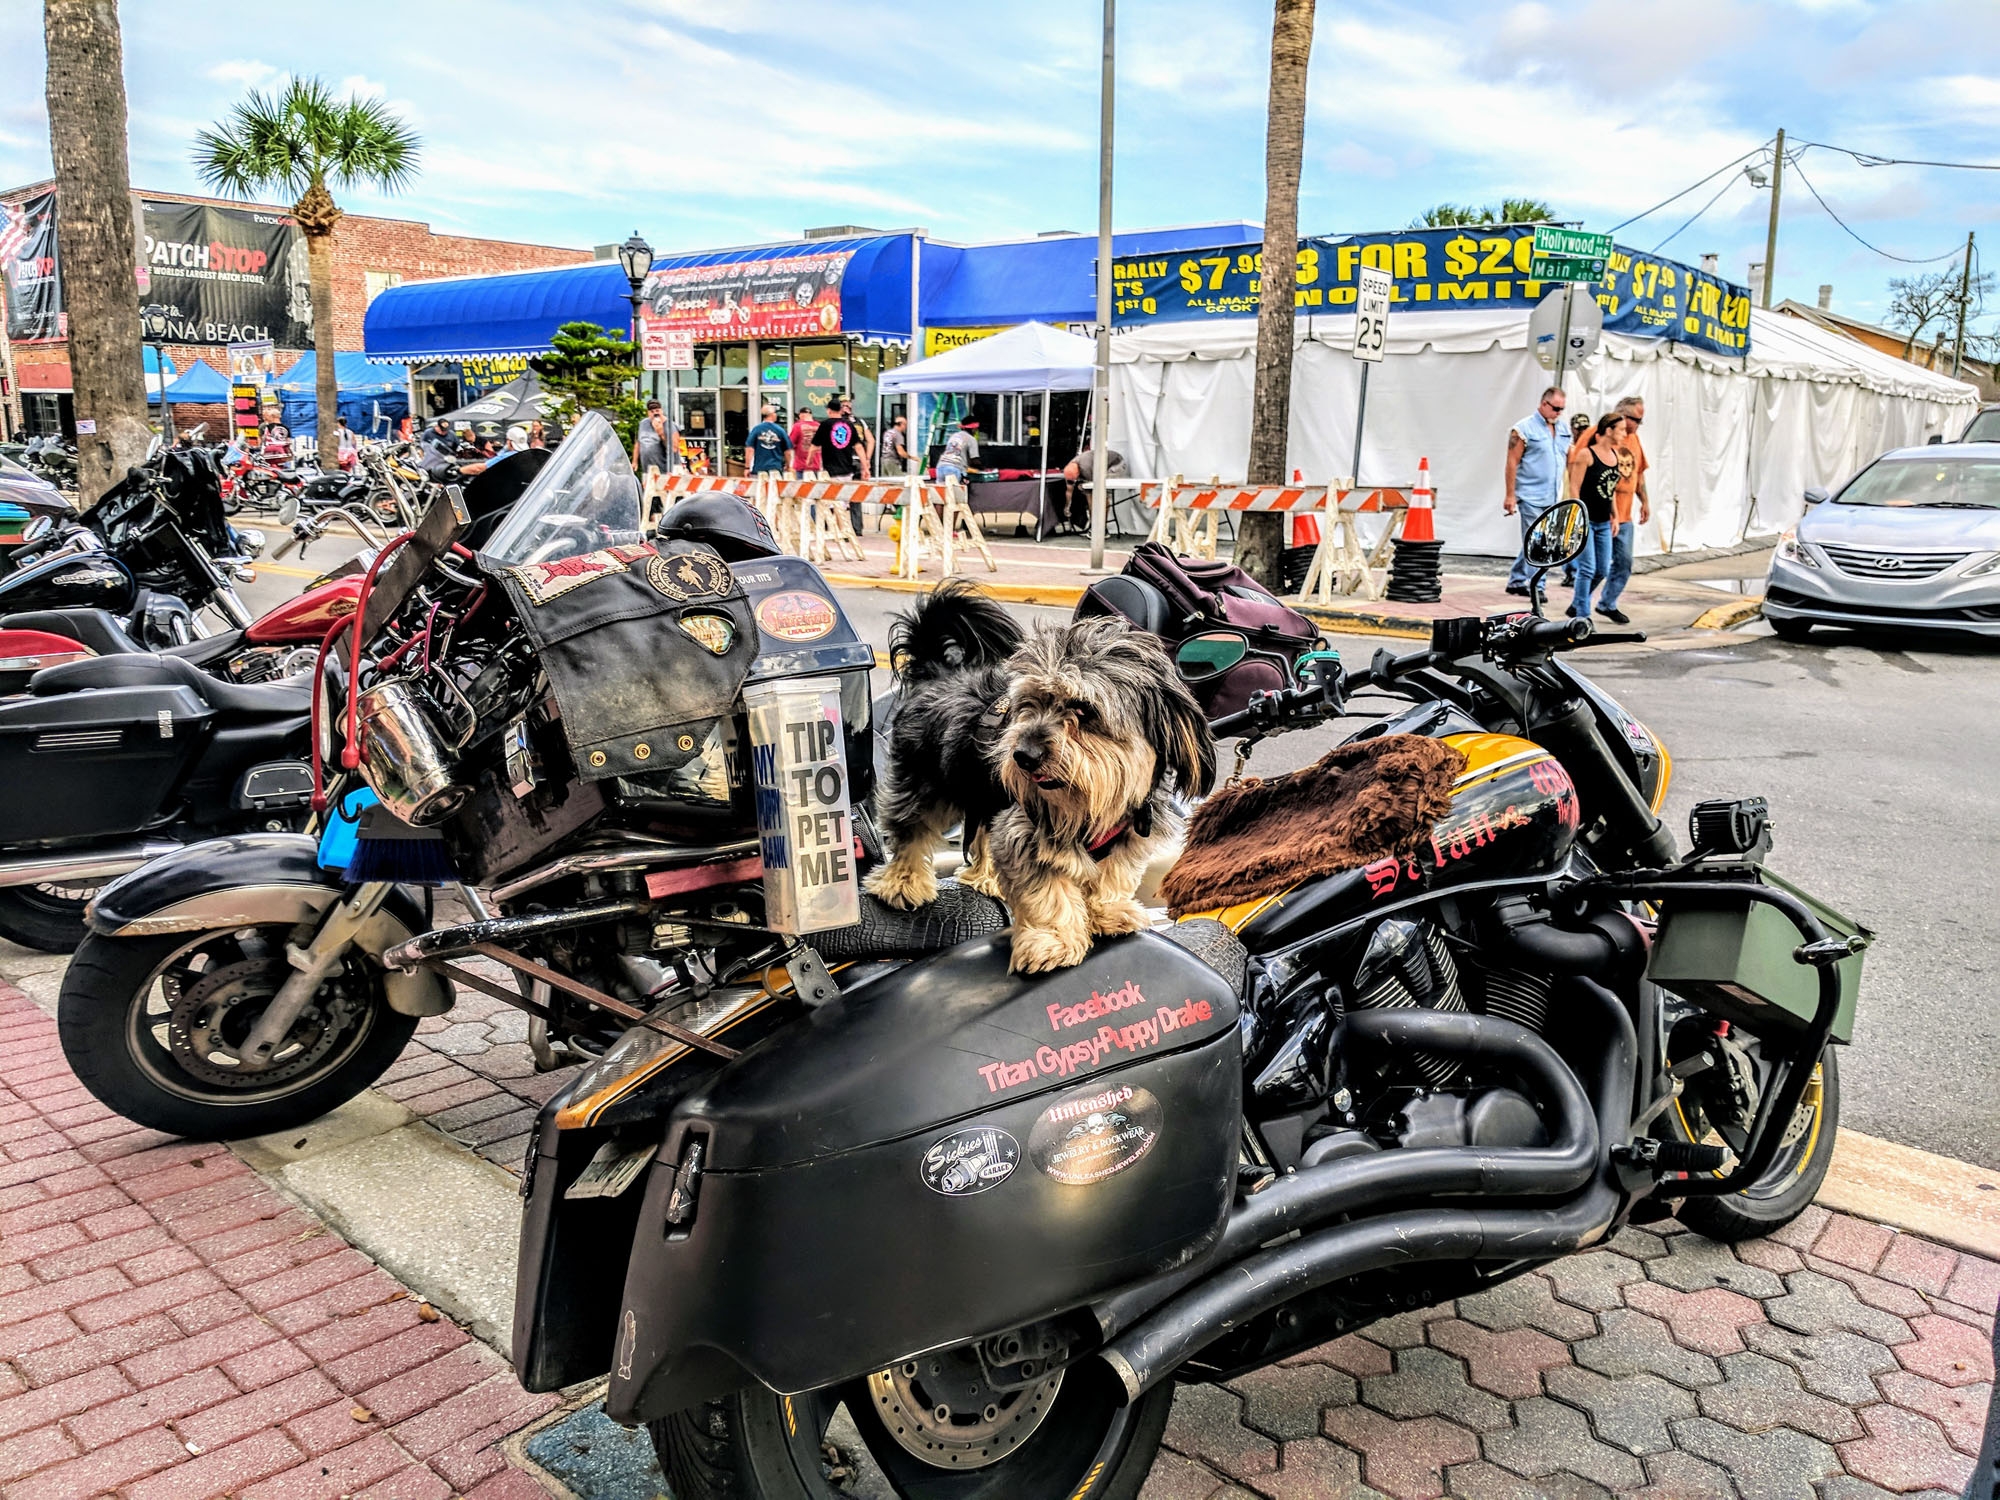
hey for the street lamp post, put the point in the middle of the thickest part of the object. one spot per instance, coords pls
(153, 322)
(635, 258)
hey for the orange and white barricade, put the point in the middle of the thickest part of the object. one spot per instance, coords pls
(1188, 516)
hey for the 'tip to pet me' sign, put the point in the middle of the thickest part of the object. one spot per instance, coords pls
(805, 821)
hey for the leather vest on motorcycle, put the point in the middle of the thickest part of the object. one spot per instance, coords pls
(645, 645)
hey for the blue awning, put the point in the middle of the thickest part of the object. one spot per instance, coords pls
(1051, 280)
(354, 374)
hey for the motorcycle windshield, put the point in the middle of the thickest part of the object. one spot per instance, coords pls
(586, 497)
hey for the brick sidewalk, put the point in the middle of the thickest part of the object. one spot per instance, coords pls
(171, 1328)
(174, 1331)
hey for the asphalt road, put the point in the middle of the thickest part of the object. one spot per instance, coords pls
(1878, 757)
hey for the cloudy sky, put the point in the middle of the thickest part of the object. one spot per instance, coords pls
(716, 122)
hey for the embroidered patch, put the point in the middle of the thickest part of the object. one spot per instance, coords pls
(542, 582)
(682, 576)
(713, 633)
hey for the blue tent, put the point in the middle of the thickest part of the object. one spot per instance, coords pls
(202, 383)
(373, 398)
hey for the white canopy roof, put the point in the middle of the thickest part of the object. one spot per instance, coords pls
(1027, 357)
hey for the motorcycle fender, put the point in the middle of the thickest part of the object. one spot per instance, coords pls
(258, 879)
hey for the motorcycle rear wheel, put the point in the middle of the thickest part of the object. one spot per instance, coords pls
(1791, 1182)
(143, 1022)
(42, 917)
(754, 1445)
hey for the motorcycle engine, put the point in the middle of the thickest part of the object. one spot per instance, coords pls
(1407, 966)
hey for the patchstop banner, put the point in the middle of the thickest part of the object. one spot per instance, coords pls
(787, 296)
(226, 275)
(34, 280)
(1437, 270)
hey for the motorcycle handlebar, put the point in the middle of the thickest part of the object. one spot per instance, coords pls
(1553, 635)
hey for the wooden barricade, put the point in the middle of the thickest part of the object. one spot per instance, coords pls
(1343, 563)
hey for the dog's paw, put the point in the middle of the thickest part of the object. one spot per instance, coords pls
(1038, 950)
(983, 878)
(902, 886)
(1117, 916)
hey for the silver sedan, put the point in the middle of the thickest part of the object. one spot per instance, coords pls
(1912, 540)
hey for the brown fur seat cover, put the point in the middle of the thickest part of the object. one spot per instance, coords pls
(1355, 805)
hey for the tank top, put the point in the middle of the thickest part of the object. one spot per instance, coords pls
(1600, 484)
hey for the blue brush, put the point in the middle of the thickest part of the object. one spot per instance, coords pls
(387, 848)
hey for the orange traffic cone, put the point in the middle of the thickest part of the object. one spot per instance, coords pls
(1417, 526)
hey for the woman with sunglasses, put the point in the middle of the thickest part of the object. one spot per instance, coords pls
(1593, 479)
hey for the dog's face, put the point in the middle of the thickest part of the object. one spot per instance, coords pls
(1095, 717)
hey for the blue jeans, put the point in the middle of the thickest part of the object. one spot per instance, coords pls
(1529, 512)
(1591, 565)
(1621, 565)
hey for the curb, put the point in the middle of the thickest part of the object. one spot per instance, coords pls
(1729, 616)
(1062, 595)
(1939, 1197)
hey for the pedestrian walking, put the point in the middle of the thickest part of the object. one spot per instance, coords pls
(1593, 479)
(896, 447)
(840, 450)
(1537, 449)
(1632, 467)
(805, 452)
(767, 444)
(653, 448)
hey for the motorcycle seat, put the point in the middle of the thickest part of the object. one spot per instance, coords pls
(98, 629)
(959, 915)
(259, 700)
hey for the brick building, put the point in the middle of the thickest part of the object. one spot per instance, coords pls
(369, 254)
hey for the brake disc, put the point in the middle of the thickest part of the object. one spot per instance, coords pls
(210, 1019)
(941, 1409)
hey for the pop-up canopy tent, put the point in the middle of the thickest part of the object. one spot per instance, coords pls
(1027, 358)
(203, 385)
(373, 397)
(1732, 443)
(521, 399)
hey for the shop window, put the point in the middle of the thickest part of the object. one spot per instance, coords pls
(735, 364)
(819, 371)
(376, 282)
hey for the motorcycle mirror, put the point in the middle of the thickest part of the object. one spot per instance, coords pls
(1201, 657)
(38, 528)
(1557, 536)
(288, 510)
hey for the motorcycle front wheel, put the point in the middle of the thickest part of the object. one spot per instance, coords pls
(1792, 1180)
(1067, 1437)
(151, 1027)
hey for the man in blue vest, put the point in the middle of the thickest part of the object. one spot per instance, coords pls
(1537, 461)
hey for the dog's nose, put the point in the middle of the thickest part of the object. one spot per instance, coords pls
(1030, 757)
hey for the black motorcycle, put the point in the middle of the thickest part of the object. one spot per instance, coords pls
(861, 1166)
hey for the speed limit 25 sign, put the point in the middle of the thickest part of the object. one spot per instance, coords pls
(1371, 312)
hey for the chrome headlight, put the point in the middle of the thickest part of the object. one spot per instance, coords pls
(1792, 550)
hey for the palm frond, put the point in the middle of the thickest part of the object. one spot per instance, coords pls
(303, 137)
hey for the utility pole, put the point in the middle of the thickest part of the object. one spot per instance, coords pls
(1771, 236)
(1964, 296)
(1100, 416)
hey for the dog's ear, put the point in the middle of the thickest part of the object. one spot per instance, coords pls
(1181, 739)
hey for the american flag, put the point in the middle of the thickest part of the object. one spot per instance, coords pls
(13, 230)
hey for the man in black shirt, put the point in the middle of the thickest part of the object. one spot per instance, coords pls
(839, 441)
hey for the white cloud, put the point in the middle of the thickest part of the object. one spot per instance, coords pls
(246, 73)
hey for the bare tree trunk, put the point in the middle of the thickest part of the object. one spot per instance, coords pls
(1260, 536)
(95, 238)
(326, 385)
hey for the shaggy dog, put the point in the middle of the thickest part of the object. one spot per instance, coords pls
(1066, 754)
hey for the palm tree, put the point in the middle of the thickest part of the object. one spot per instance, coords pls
(1260, 536)
(296, 143)
(1510, 211)
(86, 99)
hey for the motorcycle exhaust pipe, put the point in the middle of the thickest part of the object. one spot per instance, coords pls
(1227, 1292)
(58, 868)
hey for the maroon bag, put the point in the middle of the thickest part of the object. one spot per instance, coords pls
(1178, 598)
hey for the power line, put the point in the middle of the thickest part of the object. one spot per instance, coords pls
(1726, 186)
(1907, 260)
(1870, 159)
(1727, 167)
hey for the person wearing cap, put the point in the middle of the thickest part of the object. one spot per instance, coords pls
(767, 444)
(653, 448)
(961, 452)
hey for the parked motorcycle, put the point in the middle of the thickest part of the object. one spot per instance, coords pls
(990, 1216)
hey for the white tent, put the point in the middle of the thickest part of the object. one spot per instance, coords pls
(1733, 444)
(1026, 357)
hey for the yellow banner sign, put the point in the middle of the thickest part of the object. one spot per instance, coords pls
(937, 340)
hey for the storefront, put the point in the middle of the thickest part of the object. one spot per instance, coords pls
(715, 403)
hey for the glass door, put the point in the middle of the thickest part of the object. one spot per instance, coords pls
(696, 416)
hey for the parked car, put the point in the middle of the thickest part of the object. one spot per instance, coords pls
(1984, 427)
(1912, 540)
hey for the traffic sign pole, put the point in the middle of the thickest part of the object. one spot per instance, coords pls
(1374, 288)
(1562, 338)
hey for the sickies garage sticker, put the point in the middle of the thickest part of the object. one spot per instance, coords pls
(970, 1162)
(1089, 1137)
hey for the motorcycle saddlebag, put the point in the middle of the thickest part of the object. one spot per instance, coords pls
(88, 764)
(945, 1152)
